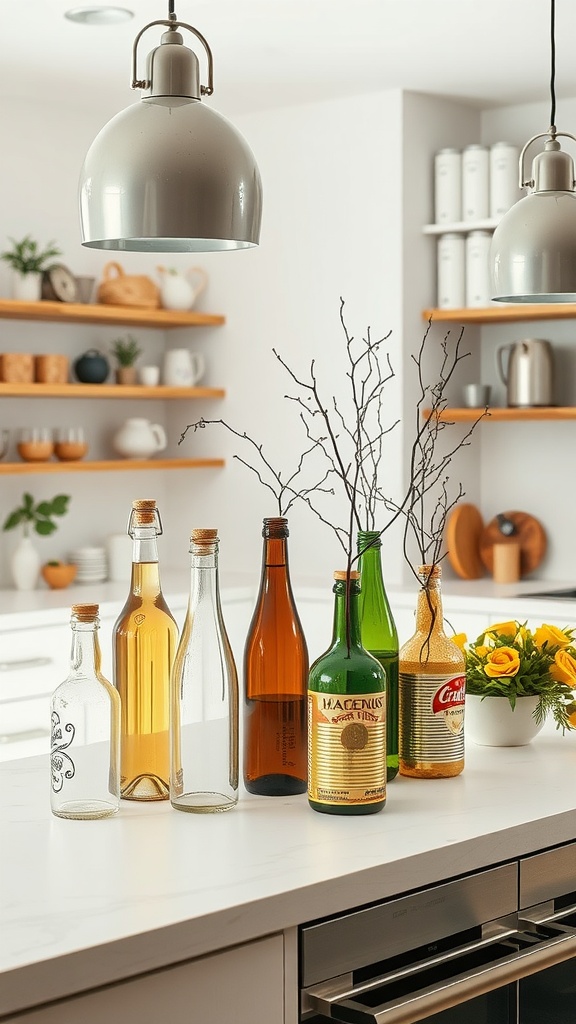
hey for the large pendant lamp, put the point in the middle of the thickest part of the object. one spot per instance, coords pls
(169, 174)
(533, 250)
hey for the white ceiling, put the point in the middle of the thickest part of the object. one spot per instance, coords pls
(274, 52)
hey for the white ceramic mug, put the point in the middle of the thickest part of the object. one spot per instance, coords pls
(182, 369)
(149, 376)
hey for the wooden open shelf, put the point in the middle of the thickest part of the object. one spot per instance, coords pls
(107, 465)
(551, 412)
(502, 313)
(94, 313)
(105, 391)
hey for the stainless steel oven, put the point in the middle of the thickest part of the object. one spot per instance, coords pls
(495, 947)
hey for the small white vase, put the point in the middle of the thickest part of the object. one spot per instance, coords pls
(491, 722)
(27, 287)
(25, 565)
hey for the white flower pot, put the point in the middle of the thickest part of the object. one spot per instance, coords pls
(25, 565)
(26, 287)
(491, 722)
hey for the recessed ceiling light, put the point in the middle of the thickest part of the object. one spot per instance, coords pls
(99, 15)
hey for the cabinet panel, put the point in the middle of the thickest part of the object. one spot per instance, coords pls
(244, 984)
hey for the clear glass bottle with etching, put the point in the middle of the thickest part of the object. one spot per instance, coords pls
(347, 716)
(85, 716)
(432, 689)
(275, 678)
(204, 694)
(145, 641)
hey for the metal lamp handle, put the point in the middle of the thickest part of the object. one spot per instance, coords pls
(550, 134)
(140, 83)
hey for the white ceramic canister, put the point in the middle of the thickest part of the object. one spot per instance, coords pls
(478, 280)
(504, 178)
(451, 271)
(119, 556)
(475, 182)
(447, 186)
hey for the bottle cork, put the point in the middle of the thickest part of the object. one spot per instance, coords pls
(85, 612)
(342, 574)
(144, 511)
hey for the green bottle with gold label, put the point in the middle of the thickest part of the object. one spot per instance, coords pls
(346, 716)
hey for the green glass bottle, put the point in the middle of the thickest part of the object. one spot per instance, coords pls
(346, 716)
(379, 635)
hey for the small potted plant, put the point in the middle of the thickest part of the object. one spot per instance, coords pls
(25, 561)
(126, 350)
(515, 677)
(28, 262)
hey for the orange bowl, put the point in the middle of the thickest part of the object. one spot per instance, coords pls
(59, 576)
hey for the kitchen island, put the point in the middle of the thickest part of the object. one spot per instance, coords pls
(84, 906)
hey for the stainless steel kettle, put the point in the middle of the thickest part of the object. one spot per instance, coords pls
(529, 372)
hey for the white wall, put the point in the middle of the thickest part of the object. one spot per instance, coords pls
(332, 228)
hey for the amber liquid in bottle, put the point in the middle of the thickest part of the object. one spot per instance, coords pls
(275, 679)
(145, 642)
(432, 684)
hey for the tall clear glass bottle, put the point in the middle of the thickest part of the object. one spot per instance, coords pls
(275, 678)
(145, 641)
(379, 634)
(85, 714)
(432, 683)
(204, 694)
(347, 716)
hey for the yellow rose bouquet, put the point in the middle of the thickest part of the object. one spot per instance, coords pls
(509, 660)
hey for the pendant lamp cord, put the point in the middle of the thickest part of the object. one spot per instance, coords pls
(552, 65)
(172, 14)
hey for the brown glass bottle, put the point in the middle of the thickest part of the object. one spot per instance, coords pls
(432, 686)
(145, 642)
(275, 679)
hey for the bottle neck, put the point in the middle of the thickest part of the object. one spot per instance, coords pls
(203, 576)
(346, 629)
(145, 571)
(369, 549)
(429, 612)
(85, 653)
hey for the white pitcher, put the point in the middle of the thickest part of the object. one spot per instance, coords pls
(180, 291)
(181, 368)
(139, 439)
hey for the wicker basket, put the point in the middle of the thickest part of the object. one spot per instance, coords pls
(120, 289)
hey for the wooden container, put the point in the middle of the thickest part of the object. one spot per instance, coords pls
(16, 368)
(120, 289)
(51, 369)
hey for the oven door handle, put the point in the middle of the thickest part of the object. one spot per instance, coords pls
(339, 1001)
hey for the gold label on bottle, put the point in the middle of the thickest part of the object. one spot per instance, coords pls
(346, 748)
(431, 727)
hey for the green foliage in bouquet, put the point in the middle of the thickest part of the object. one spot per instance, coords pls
(509, 660)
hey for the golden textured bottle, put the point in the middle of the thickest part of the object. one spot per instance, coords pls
(432, 683)
(145, 641)
(275, 678)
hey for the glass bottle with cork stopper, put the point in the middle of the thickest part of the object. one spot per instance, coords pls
(204, 694)
(85, 729)
(347, 715)
(145, 641)
(432, 684)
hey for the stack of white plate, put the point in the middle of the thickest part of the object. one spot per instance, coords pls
(91, 562)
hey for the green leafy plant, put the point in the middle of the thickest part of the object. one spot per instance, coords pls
(27, 257)
(126, 350)
(511, 661)
(37, 517)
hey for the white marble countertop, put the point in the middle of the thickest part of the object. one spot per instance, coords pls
(86, 903)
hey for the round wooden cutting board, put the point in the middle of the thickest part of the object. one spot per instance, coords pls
(463, 531)
(530, 533)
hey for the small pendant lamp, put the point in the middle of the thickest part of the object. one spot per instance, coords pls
(169, 174)
(533, 249)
